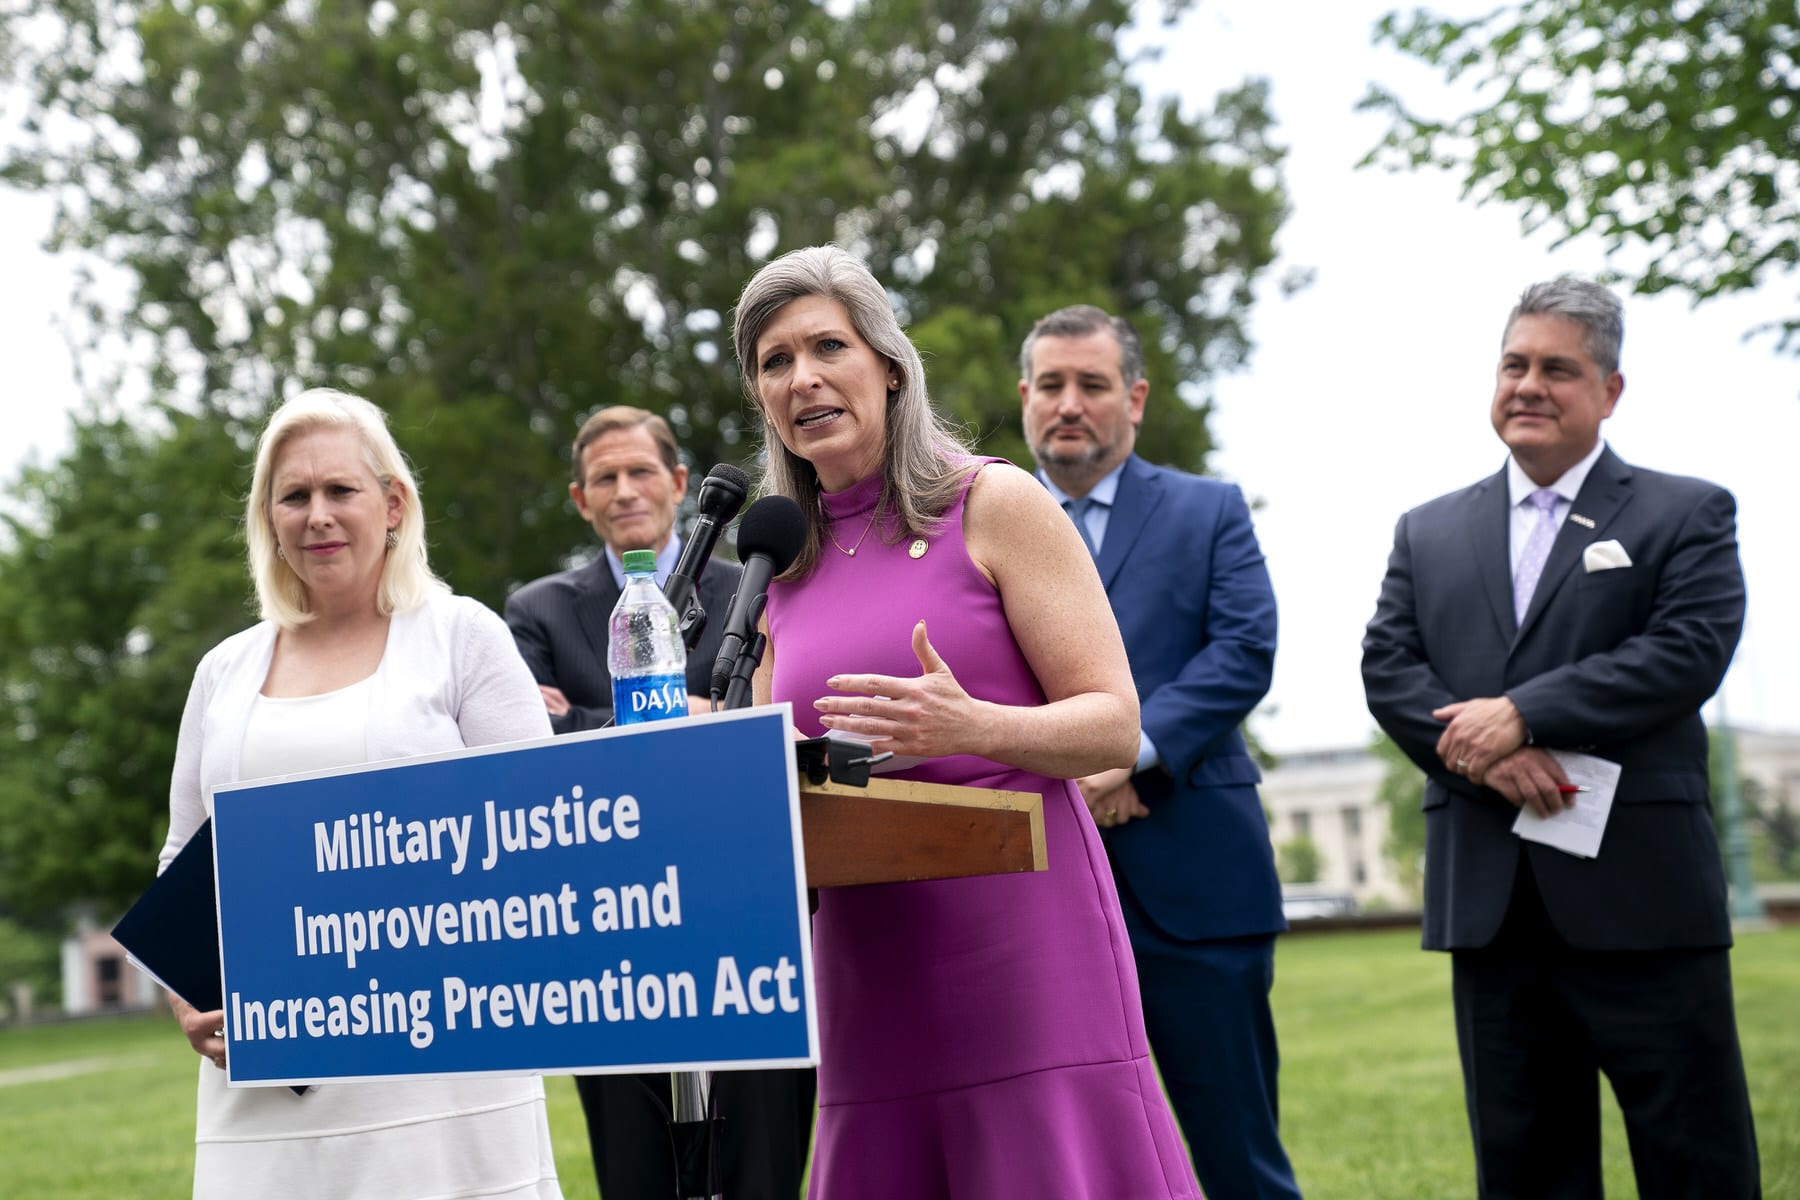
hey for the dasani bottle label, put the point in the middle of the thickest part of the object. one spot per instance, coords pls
(639, 698)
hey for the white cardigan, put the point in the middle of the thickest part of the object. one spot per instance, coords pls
(450, 677)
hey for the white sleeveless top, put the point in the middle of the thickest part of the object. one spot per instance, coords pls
(290, 734)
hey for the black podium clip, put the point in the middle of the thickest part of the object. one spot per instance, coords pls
(837, 760)
(696, 1146)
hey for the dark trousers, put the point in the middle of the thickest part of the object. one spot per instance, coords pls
(1206, 1010)
(767, 1131)
(1538, 1022)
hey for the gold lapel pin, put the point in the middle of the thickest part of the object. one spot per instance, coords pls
(918, 548)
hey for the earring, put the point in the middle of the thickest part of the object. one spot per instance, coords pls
(280, 553)
(393, 538)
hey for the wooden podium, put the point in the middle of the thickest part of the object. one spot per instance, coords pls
(895, 830)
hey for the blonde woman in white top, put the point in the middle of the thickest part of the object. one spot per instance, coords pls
(362, 655)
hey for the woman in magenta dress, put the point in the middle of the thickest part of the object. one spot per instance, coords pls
(981, 1037)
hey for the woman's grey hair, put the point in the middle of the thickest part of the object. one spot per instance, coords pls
(1079, 320)
(925, 462)
(406, 577)
(1594, 308)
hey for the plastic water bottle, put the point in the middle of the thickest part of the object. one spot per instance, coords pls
(644, 649)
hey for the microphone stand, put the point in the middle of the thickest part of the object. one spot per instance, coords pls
(694, 1127)
(694, 1130)
(743, 671)
(690, 622)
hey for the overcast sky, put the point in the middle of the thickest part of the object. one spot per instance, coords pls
(1367, 393)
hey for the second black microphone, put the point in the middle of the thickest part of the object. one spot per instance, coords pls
(769, 539)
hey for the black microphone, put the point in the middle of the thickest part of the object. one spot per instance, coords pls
(721, 495)
(769, 539)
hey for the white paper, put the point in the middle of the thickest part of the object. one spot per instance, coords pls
(154, 977)
(1576, 830)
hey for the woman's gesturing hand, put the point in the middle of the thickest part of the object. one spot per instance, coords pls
(929, 715)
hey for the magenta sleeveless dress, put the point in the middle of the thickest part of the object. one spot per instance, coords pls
(981, 1037)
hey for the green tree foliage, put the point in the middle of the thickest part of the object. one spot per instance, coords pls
(1297, 860)
(1774, 832)
(1770, 819)
(492, 218)
(1402, 794)
(108, 598)
(31, 957)
(1671, 131)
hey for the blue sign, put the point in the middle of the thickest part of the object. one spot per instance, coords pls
(622, 900)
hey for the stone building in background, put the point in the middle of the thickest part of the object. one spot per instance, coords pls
(1328, 797)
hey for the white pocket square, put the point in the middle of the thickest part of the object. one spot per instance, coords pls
(1604, 556)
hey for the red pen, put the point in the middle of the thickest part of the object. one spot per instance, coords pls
(1569, 789)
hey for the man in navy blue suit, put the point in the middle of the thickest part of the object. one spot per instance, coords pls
(1184, 828)
(628, 481)
(1573, 602)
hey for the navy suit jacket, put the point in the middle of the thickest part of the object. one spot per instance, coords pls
(1186, 580)
(560, 624)
(1613, 662)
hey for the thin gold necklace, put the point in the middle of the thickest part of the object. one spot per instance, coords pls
(851, 552)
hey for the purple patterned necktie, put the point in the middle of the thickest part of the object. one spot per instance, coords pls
(1536, 552)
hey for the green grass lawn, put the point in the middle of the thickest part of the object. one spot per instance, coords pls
(1371, 1095)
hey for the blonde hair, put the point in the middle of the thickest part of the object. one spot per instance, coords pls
(925, 464)
(406, 577)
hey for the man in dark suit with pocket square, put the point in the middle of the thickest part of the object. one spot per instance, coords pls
(1573, 602)
(628, 481)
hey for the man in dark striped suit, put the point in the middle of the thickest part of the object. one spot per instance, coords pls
(628, 481)
(629, 478)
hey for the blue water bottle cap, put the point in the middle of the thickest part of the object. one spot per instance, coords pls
(639, 562)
